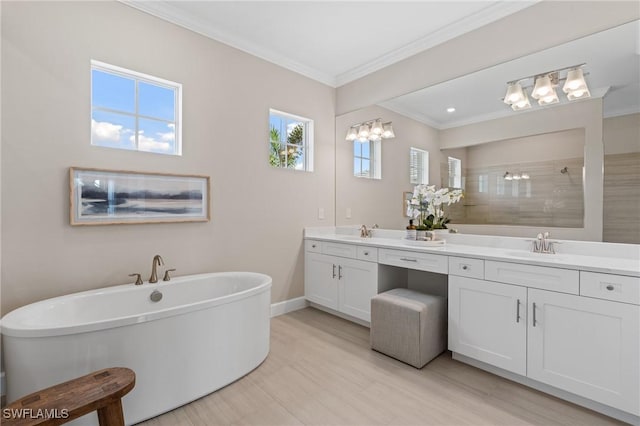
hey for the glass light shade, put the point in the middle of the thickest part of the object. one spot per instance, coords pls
(516, 177)
(352, 134)
(549, 98)
(542, 87)
(523, 104)
(376, 127)
(515, 94)
(524, 176)
(363, 131)
(576, 87)
(507, 176)
(387, 131)
(578, 94)
(575, 81)
(374, 137)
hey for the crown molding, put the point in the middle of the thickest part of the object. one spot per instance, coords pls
(168, 12)
(163, 10)
(469, 23)
(421, 118)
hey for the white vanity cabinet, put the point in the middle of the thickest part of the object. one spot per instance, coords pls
(587, 346)
(487, 322)
(340, 282)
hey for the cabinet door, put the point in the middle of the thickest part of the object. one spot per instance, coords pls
(357, 284)
(321, 279)
(586, 346)
(487, 322)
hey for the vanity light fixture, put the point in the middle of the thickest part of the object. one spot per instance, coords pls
(544, 88)
(515, 176)
(372, 130)
(451, 109)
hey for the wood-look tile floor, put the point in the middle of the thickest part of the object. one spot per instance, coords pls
(321, 371)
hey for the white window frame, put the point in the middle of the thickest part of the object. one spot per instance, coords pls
(375, 156)
(307, 145)
(417, 167)
(455, 178)
(149, 79)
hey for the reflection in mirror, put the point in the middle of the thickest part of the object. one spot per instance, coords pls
(418, 166)
(467, 113)
(529, 181)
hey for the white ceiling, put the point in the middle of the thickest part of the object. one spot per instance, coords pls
(334, 42)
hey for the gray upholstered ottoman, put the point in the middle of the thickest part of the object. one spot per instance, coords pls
(408, 325)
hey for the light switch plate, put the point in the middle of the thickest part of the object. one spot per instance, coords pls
(320, 213)
(348, 213)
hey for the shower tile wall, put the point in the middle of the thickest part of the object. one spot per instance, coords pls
(548, 198)
(622, 198)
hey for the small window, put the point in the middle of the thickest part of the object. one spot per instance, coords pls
(455, 173)
(418, 166)
(366, 159)
(134, 111)
(290, 141)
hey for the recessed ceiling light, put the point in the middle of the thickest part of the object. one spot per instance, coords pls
(451, 109)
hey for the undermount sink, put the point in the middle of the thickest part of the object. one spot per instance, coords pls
(532, 255)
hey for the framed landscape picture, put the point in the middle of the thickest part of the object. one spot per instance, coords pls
(108, 197)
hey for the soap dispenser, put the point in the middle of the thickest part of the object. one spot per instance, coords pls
(411, 231)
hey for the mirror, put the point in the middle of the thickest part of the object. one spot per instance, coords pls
(483, 126)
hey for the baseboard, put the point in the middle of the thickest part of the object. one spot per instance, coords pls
(287, 306)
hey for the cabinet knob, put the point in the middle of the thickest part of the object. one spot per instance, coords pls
(366, 253)
(610, 287)
(313, 246)
(465, 267)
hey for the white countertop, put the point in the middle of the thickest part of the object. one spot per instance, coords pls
(623, 259)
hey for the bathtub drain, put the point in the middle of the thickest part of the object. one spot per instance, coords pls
(156, 296)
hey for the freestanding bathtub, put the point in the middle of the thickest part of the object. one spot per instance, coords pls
(207, 331)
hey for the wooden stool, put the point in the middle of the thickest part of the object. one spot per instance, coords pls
(101, 390)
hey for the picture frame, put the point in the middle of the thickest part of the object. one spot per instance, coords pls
(114, 197)
(406, 196)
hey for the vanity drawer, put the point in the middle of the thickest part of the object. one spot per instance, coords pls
(611, 287)
(313, 246)
(367, 253)
(412, 260)
(339, 249)
(466, 267)
(542, 277)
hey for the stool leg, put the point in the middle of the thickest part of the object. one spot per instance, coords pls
(111, 415)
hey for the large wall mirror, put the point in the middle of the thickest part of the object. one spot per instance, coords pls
(521, 170)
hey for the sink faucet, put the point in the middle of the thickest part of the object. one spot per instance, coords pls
(542, 244)
(157, 261)
(367, 233)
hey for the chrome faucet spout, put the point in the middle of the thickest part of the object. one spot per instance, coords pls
(157, 261)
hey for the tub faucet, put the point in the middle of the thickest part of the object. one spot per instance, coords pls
(157, 261)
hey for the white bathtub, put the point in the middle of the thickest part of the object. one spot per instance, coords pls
(207, 331)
